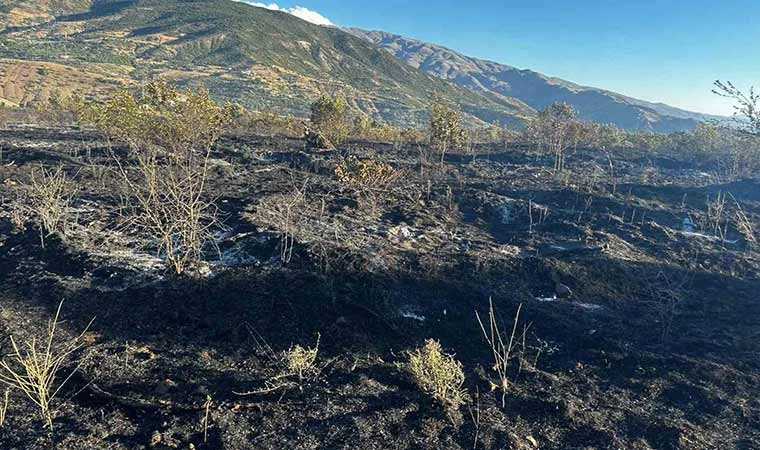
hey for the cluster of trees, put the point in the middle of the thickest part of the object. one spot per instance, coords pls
(557, 129)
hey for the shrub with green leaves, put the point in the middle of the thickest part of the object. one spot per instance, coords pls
(445, 129)
(556, 129)
(328, 116)
(162, 118)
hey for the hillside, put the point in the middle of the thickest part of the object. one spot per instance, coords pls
(263, 59)
(656, 348)
(535, 89)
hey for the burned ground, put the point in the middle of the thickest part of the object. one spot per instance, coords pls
(657, 348)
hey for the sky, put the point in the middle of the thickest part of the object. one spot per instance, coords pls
(668, 51)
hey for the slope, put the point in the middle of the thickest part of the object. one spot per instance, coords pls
(263, 59)
(535, 89)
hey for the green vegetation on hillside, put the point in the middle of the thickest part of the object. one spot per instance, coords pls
(256, 56)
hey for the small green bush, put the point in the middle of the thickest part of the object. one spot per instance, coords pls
(437, 374)
(328, 116)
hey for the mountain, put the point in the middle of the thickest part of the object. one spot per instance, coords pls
(261, 58)
(271, 60)
(534, 89)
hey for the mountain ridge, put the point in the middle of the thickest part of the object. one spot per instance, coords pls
(271, 60)
(534, 88)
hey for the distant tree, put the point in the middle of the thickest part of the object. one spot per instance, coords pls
(557, 129)
(707, 137)
(361, 126)
(445, 129)
(328, 116)
(611, 137)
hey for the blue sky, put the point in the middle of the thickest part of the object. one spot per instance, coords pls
(667, 50)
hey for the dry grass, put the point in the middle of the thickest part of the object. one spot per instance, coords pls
(437, 374)
(34, 367)
(267, 123)
(206, 417)
(4, 407)
(365, 174)
(501, 349)
(302, 362)
(744, 224)
(292, 368)
(18, 217)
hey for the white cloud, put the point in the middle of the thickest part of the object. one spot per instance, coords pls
(298, 11)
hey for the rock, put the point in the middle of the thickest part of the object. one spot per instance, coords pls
(562, 290)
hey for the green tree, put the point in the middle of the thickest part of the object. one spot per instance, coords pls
(328, 116)
(445, 129)
(557, 129)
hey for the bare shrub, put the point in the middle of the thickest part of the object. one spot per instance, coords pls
(501, 349)
(170, 134)
(437, 374)
(301, 215)
(34, 367)
(668, 292)
(284, 213)
(715, 221)
(46, 200)
(328, 116)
